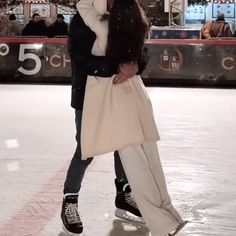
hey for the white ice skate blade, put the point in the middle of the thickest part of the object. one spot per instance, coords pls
(69, 233)
(122, 214)
(179, 228)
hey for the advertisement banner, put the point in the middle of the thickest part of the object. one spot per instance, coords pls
(37, 61)
(57, 61)
(191, 62)
(47, 60)
(18, 60)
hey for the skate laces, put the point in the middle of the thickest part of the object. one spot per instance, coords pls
(71, 213)
(129, 199)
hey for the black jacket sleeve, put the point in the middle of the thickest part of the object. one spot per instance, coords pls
(80, 43)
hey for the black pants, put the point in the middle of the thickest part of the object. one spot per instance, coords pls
(77, 166)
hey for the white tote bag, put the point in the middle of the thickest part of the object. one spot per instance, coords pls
(115, 116)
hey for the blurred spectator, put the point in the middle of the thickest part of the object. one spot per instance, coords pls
(60, 27)
(35, 27)
(206, 30)
(48, 27)
(220, 28)
(4, 25)
(14, 26)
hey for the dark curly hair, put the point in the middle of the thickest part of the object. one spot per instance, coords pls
(128, 29)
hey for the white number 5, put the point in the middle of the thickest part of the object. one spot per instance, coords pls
(23, 56)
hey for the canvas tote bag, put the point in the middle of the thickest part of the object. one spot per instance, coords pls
(115, 116)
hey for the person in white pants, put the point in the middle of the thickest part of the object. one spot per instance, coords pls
(140, 159)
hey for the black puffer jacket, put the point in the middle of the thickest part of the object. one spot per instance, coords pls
(34, 28)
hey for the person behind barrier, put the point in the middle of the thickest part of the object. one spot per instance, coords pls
(60, 27)
(15, 29)
(220, 28)
(35, 27)
(4, 25)
(80, 42)
(48, 27)
(206, 30)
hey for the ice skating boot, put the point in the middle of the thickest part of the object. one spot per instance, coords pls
(126, 207)
(72, 223)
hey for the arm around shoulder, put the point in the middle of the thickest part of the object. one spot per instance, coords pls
(89, 14)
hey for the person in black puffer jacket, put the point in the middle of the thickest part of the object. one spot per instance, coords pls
(83, 63)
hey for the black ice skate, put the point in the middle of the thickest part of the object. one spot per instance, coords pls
(72, 223)
(126, 207)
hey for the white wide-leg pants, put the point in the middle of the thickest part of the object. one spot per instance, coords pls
(144, 171)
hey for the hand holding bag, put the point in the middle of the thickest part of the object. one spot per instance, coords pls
(115, 116)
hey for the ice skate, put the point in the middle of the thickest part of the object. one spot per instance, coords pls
(72, 223)
(126, 207)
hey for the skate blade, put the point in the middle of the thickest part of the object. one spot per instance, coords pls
(68, 232)
(122, 214)
(179, 228)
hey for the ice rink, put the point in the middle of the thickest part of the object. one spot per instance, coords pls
(197, 149)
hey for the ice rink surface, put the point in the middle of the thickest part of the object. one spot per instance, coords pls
(197, 149)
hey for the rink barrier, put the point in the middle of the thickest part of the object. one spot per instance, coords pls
(26, 59)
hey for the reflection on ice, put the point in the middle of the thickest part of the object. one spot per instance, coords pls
(13, 166)
(125, 228)
(12, 143)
